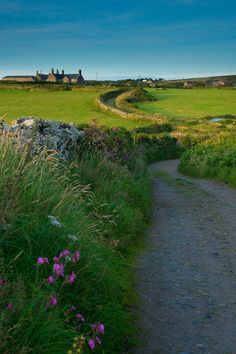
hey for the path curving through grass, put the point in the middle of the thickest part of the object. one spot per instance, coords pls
(187, 274)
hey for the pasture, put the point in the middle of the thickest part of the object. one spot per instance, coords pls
(68, 106)
(191, 103)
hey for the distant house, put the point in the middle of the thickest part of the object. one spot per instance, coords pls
(24, 78)
(218, 83)
(53, 76)
(41, 77)
(188, 84)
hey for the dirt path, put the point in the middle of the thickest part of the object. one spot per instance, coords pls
(187, 275)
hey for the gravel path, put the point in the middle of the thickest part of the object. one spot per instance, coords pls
(187, 274)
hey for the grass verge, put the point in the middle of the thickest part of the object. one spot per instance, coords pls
(214, 158)
(101, 208)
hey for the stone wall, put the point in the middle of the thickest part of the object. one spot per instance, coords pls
(62, 138)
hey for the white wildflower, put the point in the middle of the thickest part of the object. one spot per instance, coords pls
(72, 237)
(54, 221)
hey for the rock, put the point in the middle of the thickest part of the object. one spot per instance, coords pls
(61, 137)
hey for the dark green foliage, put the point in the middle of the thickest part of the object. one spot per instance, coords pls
(155, 129)
(159, 148)
(140, 95)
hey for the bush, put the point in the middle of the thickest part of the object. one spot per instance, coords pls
(140, 95)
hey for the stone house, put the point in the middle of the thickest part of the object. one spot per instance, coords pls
(218, 83)
(188, 84)
(26, 78)
(63, 78)
(53, 76)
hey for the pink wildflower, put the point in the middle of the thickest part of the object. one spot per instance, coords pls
(98, 340)
(76, 257)
(53, 301)
(9, 307)
(91, 344)
(51, 279)
(64, 253)
(56, 259)
(98, 327)
(71, 278)
(58, 269)
(80, 317)
(42, 260)
(2, 281)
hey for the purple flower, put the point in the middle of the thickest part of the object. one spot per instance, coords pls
(9, 307)
(53, 301)
(51, 279)
(71, 278)
(64, 253)
(98, 340)
(58, 270)
(2, 281)
(56, 259)
(98, 327)
(80, 317)
(76, 257)
(91, 344)
(42, 260)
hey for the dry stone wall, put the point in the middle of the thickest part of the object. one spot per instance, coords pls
(63, 138)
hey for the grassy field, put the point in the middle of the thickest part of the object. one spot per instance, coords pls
(68, 106)
(192, 104)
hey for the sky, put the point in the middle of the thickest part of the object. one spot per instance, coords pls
(115, 39)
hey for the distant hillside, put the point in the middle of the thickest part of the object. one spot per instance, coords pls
(229, 79)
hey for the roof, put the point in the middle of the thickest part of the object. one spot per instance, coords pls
(18, 76)
(42, 76)
(57, 76)
(73, 76)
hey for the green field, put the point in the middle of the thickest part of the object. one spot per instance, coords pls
(195, 103)
(68, 106)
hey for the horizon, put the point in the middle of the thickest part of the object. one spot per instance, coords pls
(114, 40)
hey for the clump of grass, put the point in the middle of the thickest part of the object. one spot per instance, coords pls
(214, 158)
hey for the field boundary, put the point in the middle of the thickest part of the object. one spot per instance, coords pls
(118, 96)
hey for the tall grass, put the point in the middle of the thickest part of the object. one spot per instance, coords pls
(213, 158)
(103, 208)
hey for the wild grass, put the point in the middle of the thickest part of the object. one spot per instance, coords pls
(104, 207)
(213, 158)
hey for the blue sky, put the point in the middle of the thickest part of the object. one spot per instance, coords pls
(119, 38)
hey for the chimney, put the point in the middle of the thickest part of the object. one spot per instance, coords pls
(52, 71)
(63, 72)
(80, 72)
(37, 72)
(57, 71)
